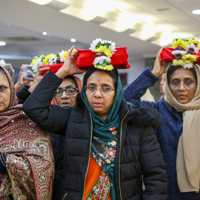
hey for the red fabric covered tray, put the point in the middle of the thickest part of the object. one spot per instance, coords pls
(119, 59)
(167, 56)
(53, 68)
(86, 58)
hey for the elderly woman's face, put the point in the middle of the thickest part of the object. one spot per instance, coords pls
(100, 93)
(183, 85)
(4, 92)
(64, 99)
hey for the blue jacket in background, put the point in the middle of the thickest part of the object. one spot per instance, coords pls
(168, 132)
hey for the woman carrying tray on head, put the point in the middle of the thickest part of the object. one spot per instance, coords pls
(178, 132)
(109, 143)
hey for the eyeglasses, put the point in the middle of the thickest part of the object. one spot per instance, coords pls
(69, 91)
(176, 84)
(104, 89)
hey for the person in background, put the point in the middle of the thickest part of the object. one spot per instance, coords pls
(22, 81)
(109, 144)
(26, 157)
(178, 132)
(65, 96)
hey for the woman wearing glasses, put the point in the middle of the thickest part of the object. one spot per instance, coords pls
(178, 130)
(109, 144)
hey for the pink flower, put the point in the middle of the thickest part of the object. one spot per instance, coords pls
(112, 129)
(110, 152)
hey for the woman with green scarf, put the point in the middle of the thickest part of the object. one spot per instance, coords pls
(110, 144)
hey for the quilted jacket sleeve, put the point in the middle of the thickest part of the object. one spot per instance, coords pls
(153, 167)
(51, 118)
(23, 93)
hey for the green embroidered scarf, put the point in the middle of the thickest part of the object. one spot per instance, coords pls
(104, 138)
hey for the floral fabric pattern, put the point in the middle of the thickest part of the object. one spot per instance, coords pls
(104, 152)
(101, 189)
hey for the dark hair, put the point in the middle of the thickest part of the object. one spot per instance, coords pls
(113, 74)
(71, 78)
(173, 68)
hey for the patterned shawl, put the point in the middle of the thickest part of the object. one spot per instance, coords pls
(30, 161)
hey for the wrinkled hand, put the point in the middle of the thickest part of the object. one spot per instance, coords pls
(38, 77)
(159, 65)
(69, 67)
(22, 82)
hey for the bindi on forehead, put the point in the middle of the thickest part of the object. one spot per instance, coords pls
(98, 80)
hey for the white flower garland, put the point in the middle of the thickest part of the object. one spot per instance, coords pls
(101, 60)
(192, 46)
(105, 47)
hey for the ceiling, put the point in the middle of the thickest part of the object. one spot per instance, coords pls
(141, 25)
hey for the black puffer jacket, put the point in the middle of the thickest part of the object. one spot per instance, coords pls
(137, 153)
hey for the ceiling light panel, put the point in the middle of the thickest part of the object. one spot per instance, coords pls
(131, 16)
(2, 43)
(79, 13)
(40, 2)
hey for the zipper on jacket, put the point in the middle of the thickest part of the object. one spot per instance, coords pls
(64, 196)
(120, 192)
(89, 155)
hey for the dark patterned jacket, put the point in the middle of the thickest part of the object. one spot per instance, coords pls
(138, 152)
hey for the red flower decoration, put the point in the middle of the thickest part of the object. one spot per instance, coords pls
(110, 152)
(112, 129)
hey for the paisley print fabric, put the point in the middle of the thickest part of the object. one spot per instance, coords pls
(30, 161)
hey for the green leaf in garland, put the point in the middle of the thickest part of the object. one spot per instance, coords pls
(98, 44)
(104, 64)
(107, 62)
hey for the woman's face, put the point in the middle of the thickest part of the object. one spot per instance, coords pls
(100, 93)
(183, 85)
(4, 92)
(66, 100)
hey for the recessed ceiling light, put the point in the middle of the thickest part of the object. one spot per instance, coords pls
(44, 33)
(8, 24)
(196, 12)
(73, 40)
(2, 43)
